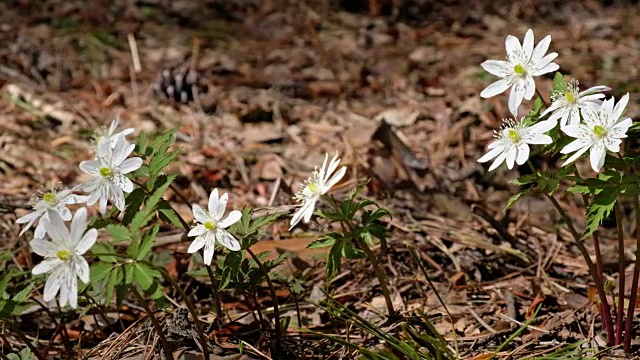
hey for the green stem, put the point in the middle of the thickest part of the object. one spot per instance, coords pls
(217, 302)
(156, 324)
(634, 281)
(605, 310)
(621, 265)
(274, 295)
(379, 274)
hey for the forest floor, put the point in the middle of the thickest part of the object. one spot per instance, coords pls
(392, 86)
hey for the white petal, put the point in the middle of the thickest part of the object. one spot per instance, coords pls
(87, 241)
(573, 116)
(595, 89)
(56, 228)
(612, 144)
(499, 68)
(52, 286)
(541, 127)
(540, 49)
(546, 69)
(303, 213)
(213, 202)
(523, 153)
(539, 139)
(197, 244)
(199, 214)
(130, 165)
(333, 165)
(529, 87)
(512, 44)
(197, 231)
(511, 156)
(70, 291)
(64, 212)
(495, 88)
(334, 179)
(527, 44)
(82, 269)
(576, 145)
(91, 167)
(491, 154)
(619, 108)
(578, 131)
(78, 225)
(619, 130)
(515, 97)
(597, 155)
(227, 240)
(118, 197)
(231, 219)
(218, 211)
(499, 160)
(40, 231)
(575, 155)
(208, 249)
(44, 248)
(125, 184)
(121, 150)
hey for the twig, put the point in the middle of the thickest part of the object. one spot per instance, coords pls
(217, 302)
(156, 324)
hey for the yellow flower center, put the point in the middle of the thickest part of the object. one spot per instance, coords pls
(313, 187)
(49, 197)
(600, 131)
(209, 226)
(105, 172)
(569, 96)
(63, 255)
(513, 135)
(519, 69)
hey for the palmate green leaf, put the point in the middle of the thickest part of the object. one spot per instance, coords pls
(324, 242)
(515, 197)
(104, 248)
(145, 276)
(559, 83)
(334, 261)
(118, 232)
(144, 215)
(133, 203)
(168, 214)
(599, 209)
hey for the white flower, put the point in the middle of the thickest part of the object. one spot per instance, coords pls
(523, 63)
(108, 180)
(602, 130)
(213, 227)
(110, 134)
(63, 256)
(566, 105)
(52, 200)
(513, 140)
(316, 186)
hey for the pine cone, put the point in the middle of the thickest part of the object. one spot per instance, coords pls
(177, 84)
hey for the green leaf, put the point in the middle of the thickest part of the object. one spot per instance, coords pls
(334, 259)
(100, 271)
(599, 209)
(104, 248)
(525, 180)
(515, 197)
(118, 232)
(168, 214)
(24, 294)
(133, 203)
(146, 214)
(322, 243)
(148, 239)
(145, 275)
(559, 84)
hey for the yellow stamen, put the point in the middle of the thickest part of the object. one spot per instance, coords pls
(49, 197)
(313, 187)
(209, 226)
(570, 97)
(513, 135)
(105, 172)
(600, 131)
(519, 69)
(63, 255)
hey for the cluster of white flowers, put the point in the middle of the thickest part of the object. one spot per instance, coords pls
(595, 124)
(63, 253)
(63, 259)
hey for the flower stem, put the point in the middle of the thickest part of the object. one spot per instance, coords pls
(379, 274)
(621, 265)
(634, 281)
(156, 324)
(605, 310)
(274, 295)
(217, 302)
